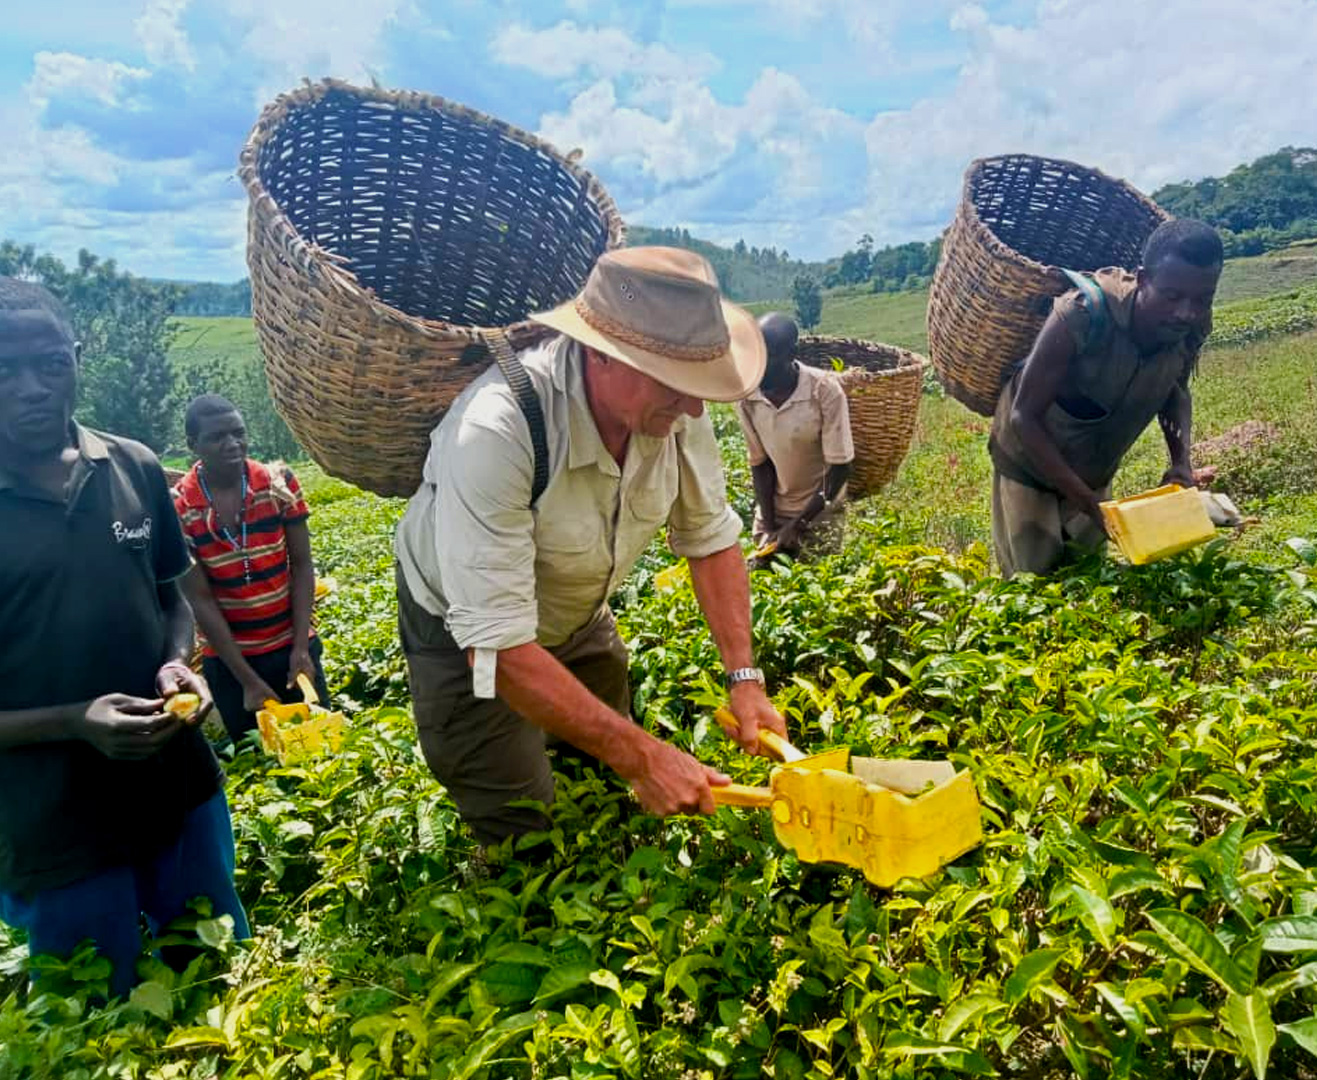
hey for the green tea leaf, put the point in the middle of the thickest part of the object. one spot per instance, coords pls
(489, 1043)
(961, 1058)
(1189, 939)
(562, 980)
(1030, 972)
(1248, 1018)
(152, 997)
(1097, 914)
(1303, 1032)
(964, 1011)
(1129, 1014)
(1291, 933)
(1125, 882)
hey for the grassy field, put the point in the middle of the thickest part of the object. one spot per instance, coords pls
(899, 318)
(894, 318)
(221, 336)
(942, 493)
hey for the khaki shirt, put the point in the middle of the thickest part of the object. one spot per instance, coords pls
(499, 574)
(809, 432)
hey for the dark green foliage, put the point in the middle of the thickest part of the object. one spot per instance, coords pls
(1263, 206)
(808, 300)
(123, 323)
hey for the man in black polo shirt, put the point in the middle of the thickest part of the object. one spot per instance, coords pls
(110, 806)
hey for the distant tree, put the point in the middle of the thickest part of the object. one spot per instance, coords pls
(124, 324)
(809, 301)
(1277, 192)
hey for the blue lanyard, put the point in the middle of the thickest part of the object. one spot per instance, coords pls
(225, 531)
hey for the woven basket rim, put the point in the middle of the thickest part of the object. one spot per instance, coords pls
(907, 359)
(996, 245)
(317, 260)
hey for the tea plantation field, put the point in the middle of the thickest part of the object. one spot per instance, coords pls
(1143, 741)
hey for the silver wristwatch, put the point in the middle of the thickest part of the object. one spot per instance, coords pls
(746, 674)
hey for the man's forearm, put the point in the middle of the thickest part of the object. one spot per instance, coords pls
(832, 485)
(539, 688)
(302, 583)
(1176, 418)
(722, 587)
(1045, 459)
(213, 624)
(53, 723)
(180, 630)
(764, 477)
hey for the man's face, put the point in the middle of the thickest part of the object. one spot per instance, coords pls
(38, 380)
(1175, 298)
(221, 441)
(643, 404)
(778, 367)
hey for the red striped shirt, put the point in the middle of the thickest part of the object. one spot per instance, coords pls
(260, 611)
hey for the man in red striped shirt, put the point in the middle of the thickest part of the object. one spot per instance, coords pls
(253, 584)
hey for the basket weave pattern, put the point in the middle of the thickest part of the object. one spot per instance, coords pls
(385, 230)
(883, 386)
(1019, 221)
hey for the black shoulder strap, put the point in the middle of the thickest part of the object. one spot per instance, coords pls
(519, 383)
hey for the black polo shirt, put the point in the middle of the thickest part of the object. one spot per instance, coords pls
(80, 616)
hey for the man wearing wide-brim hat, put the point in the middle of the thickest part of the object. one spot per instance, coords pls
(503, 605)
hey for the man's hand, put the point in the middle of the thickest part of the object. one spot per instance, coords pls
(673, 782)
(1092, 506)
(255, 693)
(300, 663)
(753, 710)
(126, 728)
(790, 536)
(177, 678)
(1180, 474)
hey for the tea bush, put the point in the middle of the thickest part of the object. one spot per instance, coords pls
(1144, 903)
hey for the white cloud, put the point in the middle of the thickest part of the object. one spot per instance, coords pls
(161, 35)
(62, 73)
(684, 133)
(566, 50)
(1153, 93)
(293, 39)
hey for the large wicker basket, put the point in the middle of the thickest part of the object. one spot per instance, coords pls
(883, 385)
(1020, 220)
(386, 229)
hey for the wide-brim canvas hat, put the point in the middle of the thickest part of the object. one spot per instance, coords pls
(659, 310)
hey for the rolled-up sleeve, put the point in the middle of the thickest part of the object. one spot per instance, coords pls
(701, 522)
(838, 446)
(484, 538)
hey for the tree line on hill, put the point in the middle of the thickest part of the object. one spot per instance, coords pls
(134, 384)
(1263, 206)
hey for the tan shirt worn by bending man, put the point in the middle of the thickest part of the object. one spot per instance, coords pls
(809, 432)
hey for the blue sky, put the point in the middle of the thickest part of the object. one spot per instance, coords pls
(794, 123)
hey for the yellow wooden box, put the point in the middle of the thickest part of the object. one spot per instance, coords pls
(301, 730)
(1158, 523)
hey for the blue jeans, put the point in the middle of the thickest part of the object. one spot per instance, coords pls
(107, 906)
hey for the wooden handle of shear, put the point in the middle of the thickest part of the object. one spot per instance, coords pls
(770, 740)
(308, 689)
(742, 795)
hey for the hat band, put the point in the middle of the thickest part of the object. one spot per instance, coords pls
(611, 328)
